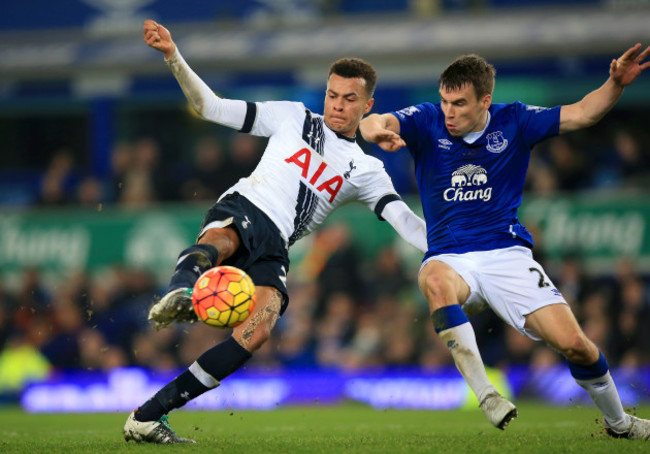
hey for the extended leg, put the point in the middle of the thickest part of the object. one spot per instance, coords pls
(148, 422)
(557, 325)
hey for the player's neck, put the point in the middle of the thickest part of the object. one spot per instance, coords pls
(473, 136)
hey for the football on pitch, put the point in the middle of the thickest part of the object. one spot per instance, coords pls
(224, 296)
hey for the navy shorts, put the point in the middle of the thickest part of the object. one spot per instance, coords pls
(263, 253)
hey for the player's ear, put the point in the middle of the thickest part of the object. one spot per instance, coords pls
(487, 101)
(369, 105)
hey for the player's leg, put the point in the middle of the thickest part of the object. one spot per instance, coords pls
(148, 422)
(213, 247)
(445, 290)
(557, 325)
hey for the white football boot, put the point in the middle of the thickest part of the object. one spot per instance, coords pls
(151, 431)
(639, 430)
(499, 410)
(174, 306)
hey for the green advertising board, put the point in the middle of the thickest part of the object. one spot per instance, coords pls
(601, 230)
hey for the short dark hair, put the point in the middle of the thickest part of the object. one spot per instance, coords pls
(355, 67)
(469, 69)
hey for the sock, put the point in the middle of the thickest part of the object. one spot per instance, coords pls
(454, 328)
(204, 374)
(598, 383)
(192, 262)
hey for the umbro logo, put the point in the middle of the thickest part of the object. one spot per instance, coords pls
(444, 143)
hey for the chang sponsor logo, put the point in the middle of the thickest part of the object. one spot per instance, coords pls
(468, 183)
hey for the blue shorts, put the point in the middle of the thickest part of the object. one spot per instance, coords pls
(263, 253)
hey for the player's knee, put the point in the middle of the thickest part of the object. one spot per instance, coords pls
(578, 349)
(225, 240)
(437, 288)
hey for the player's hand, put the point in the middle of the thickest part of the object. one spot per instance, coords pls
(628, 66)
(158, 37)
(388, 140)
(375, 129)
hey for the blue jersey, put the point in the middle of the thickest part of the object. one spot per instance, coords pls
(471, 192)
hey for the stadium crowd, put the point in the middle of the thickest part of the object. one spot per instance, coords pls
(346, 311)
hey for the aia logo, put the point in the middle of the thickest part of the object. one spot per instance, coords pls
(302, 158)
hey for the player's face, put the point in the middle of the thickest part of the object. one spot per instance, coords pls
(464, 112)
(346, 102)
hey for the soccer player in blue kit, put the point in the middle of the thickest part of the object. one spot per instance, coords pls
(471, 158)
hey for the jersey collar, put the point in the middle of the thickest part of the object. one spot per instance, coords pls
(352, 139)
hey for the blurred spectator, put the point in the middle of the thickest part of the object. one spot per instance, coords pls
(210, 174)
(32, 299)
(59, 180)
(245, 153)
(334, 263)
(633, 161)
(20, 363)
(540, 180)
(139, 185)
(62, 348)
(570, 167)
(91, 193)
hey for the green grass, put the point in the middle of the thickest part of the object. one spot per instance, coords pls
(343, 429)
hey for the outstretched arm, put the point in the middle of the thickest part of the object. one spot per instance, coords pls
(588, 111)
(227, 112)
(382, 130)
(408, 224)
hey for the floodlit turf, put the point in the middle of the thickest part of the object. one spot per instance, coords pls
(318, 429)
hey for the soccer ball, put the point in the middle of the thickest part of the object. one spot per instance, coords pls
(224, 296)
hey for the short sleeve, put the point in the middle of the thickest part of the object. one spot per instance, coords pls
(376, 188)
(267, 117)
(415, 121)
(537, 123)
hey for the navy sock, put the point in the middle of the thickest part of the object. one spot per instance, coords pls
(174, 394)
(595, 370)
(448, 317)
(213, 366)
(224, 359)
(192, 262)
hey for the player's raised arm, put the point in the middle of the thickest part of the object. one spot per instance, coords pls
(382, 130)
(590, 109)
(227, 112)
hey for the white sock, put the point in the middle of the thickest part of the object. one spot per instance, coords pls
(602, 391)
(461, 342)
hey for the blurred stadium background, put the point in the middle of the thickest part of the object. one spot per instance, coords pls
(105, 174)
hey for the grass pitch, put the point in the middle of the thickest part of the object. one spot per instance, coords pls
(342, 429)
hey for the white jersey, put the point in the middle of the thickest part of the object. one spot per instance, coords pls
(307, 170)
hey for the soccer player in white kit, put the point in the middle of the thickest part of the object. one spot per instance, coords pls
(471, 158)
(311, 165)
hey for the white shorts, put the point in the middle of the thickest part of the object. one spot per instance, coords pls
(508, 280)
